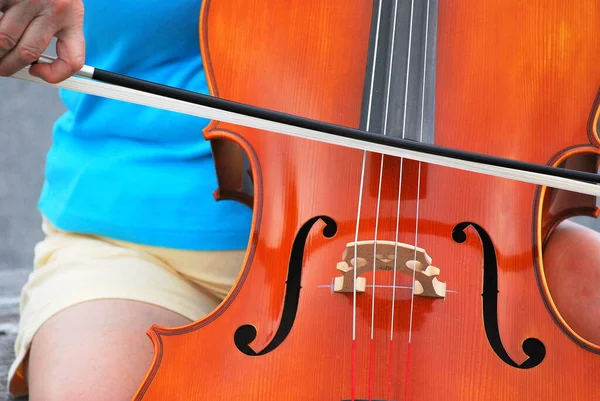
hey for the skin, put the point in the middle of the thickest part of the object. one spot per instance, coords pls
(96, 350)
(26, 29)
(573, 272)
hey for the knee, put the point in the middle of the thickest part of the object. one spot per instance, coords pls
(94, 351)
(572, 269)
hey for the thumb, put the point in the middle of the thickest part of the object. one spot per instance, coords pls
(70, 51)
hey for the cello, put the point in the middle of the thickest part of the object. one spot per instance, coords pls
(373, 277)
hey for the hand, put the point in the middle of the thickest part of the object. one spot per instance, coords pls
(26, 29)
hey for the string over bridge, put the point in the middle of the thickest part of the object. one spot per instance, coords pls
(426, 282)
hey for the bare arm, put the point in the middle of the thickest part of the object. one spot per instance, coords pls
(26, 29)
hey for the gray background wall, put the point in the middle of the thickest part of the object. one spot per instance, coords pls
(26, 114)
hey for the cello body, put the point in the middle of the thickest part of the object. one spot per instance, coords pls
(516, 79)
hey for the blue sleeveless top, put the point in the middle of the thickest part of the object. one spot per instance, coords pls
(131, 172)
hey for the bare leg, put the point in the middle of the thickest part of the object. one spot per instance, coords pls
(572, 265)
(96, 350)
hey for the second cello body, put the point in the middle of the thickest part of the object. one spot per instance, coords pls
(451, 300)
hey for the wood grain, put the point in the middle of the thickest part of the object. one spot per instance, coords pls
(515, 79)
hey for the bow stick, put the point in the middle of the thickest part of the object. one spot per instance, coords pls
(95, 81)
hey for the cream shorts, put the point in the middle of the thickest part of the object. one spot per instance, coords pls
(72, 268)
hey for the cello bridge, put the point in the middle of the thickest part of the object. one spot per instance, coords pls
(409, 259)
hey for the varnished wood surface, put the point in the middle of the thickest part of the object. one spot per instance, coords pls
(515, 79)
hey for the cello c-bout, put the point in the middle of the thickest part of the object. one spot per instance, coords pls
(451, 299)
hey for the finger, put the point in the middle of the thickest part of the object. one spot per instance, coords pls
(34, 41)
(70, 51)
(12, 25)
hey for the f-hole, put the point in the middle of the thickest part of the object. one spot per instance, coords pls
(244, 335)
(532, 347)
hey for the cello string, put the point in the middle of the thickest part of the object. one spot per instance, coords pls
(414, 266)
(385, 122)
(360, 195)
(372, 335)
(404, 117)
